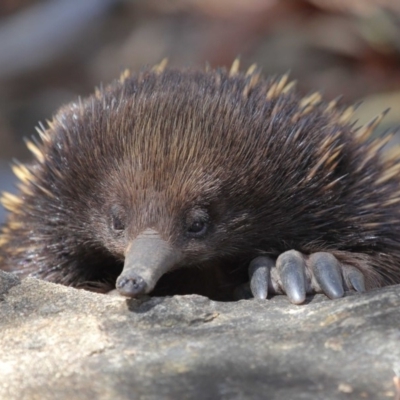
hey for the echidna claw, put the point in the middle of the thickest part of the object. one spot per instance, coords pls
(356, 279)
(291, 268)
(297, 275)
(326, 270)
(260, 275)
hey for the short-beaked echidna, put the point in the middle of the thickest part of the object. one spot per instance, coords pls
(180, 181)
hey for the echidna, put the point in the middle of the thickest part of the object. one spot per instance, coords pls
(221, 171)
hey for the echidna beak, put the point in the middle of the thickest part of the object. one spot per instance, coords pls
(147, 258)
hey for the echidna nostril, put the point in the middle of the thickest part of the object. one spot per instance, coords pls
(130, 284)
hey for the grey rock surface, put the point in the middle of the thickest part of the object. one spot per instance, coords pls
(62, 343)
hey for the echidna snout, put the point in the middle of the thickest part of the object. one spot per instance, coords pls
(147, 258)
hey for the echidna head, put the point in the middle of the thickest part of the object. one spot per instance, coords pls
(159, 223)
(158, 226)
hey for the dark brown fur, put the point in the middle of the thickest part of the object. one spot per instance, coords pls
(272, 171)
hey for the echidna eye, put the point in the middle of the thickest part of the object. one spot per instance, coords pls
(117, 223)
(197, 228)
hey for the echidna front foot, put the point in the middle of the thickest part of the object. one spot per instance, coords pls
(297, 275)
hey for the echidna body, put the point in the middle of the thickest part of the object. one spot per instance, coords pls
(171, 169)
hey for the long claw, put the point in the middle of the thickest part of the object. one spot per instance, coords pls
(259, 273)
(327, 272)
(356, 279)
(291, 268)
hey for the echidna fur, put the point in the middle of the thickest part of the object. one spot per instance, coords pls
(268, 169)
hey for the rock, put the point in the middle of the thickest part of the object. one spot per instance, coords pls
(62, 343)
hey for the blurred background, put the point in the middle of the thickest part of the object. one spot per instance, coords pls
(51, 51)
